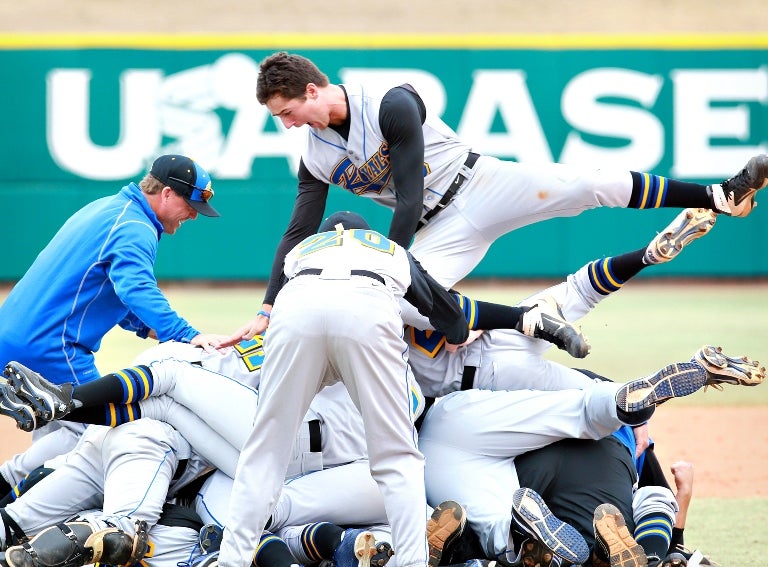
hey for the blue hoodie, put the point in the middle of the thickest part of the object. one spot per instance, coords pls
(96, 272)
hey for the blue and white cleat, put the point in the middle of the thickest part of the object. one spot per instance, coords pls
(534, 518)
(709, 367)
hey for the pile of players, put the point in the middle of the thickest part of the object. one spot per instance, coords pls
(384, 417)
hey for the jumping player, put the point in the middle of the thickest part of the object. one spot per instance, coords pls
(453, 203)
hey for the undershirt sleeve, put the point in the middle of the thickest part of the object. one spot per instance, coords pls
(308, 210)
(401, 116)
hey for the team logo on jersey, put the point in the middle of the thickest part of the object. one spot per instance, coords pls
(428, 342)
(251, 352)
(370, 177)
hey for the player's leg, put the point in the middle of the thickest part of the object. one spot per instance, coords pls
(507, 423)
(455, 241)
(344, 495)
(541, 191)
(654, 509)
(111, 399)
(140, 460)
(206, 441)
(709, 366)
(314, 543)
(294, 366)
(74, 486)
(50, 441)
(370, 355)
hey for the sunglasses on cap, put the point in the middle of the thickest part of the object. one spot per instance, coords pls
(198, 194)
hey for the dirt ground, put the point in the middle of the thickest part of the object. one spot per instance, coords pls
(694, 434)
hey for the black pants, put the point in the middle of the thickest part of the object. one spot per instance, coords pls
(575, 476)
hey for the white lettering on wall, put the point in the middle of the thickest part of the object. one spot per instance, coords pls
(584, 108)
(503, 93)
(68, 124)
(210, 113)
(715, 104)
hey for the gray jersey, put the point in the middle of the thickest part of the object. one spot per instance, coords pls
(361, 164)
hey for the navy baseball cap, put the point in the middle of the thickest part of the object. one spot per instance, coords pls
(347, 219)
(187, 179)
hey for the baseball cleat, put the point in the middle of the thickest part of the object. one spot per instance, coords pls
(724, 369)
(674, 560)
(533, 552)
(532, 516)
(383, 552)
(210, 537)
(16, 408)
(444, 527)
(614, 540)
(672, 381)
(682, 557)
(739, 191)
(545, 321)
(689, 225)
(48, 400)
(357, 547)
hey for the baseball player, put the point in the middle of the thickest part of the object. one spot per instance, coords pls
(503, 359)
(339, 490)
(131, 470)
(475, 434)
(593, 485)
(354, 332)
(99, 504)
(453, 203)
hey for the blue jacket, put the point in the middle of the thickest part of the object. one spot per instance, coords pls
(96, 272)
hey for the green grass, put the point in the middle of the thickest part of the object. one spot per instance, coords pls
(650, 324)
(647, 325)
(731, 531)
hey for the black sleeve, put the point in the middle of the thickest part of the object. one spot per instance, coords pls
(435, 302)
(401, 115)
(305, 220)
(652, 473)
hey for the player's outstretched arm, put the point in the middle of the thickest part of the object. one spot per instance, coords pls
(255, 326)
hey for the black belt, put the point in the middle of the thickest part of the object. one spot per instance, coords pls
(315, 441)
(468, 377)
(366, 273)
(469, 163)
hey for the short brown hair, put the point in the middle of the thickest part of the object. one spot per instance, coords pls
(287, 75)
(151, 184)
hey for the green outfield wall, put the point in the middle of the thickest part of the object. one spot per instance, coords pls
(82, 116)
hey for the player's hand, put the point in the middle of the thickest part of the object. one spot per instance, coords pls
(473, 336)
(256, 326)
(642, 439)
(209, 341)
(682, 472)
